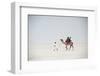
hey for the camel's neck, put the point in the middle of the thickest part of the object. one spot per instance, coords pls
(62, 41)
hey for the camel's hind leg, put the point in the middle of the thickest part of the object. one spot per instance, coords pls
(71, 46)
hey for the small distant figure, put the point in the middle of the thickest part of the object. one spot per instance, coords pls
(55, 47)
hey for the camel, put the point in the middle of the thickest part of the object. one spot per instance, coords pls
(67, 43)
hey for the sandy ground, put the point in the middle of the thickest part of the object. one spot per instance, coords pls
(49, 52)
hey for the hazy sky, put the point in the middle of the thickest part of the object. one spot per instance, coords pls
(51, 28)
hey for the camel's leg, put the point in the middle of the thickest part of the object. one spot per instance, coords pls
(72, 46)
(66, 48)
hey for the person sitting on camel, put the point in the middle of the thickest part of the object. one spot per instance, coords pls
(68, 40)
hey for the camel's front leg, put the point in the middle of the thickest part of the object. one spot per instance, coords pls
(66, 48)
(70, 47)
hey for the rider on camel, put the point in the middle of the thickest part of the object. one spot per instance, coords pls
(68, 40)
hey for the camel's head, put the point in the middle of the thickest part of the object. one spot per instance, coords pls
(61, 40)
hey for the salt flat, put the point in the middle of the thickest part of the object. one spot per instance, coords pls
(47, 52)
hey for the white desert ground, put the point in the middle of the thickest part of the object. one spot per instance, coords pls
(49, 52)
